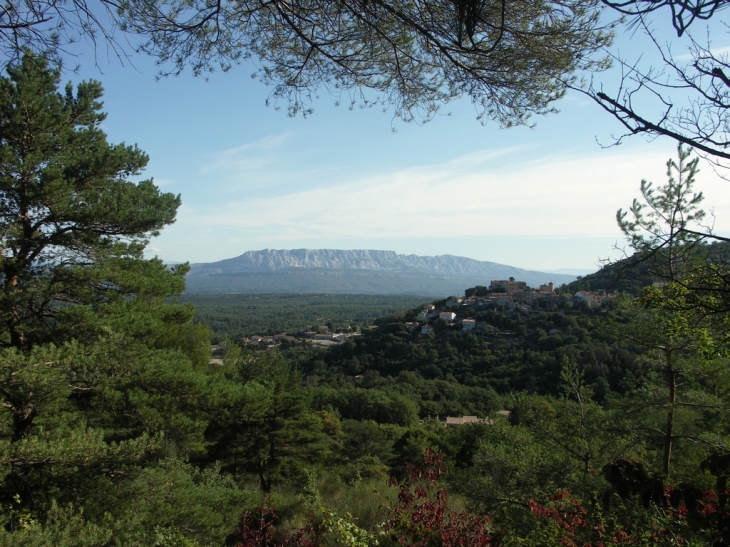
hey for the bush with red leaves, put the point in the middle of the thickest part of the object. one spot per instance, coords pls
(566, 522)
(422, 518)
(256, 529)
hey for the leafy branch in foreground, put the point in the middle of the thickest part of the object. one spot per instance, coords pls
(414, 55)
(665, 231)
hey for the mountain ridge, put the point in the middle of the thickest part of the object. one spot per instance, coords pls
(317, 270)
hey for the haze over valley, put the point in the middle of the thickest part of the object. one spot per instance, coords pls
(353, 272)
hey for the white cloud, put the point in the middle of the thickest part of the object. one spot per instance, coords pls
(468, 197)
(508, 205)
(246, 158)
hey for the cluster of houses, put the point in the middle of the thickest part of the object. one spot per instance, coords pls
(457, 421)
(430, 312)
(510, 294)
(321, 336)
(515, 295)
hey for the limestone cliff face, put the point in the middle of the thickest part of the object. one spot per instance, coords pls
(386, 263)
(271, 260)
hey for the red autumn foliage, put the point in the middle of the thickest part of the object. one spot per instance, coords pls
(568, 514)
(579, 528)
(650, 509)
(422, 518)
(256, 529)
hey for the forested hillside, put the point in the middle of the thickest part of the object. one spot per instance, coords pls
(525, 353)
(631, 274)
(565, 422)
(237, 315)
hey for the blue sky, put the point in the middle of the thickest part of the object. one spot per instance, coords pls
(251, 177)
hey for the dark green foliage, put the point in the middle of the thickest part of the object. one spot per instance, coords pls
(105, 386)
(237, 315)
(169, 504)
(630, 275)
(80, 422)
(479, 290)
(387, 407)
(117, 429)
(73, 228)
(365, 438)
(626, 276)
(270, 432)
(457, 373)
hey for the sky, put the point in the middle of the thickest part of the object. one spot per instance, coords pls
(251, 177)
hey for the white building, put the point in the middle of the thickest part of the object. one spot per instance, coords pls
(468, 325)
(412, 325)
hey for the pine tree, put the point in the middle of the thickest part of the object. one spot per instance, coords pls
(72, 226)
(105, 385)
(274, 436)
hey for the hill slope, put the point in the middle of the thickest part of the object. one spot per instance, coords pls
(353, 271)
(633, 273)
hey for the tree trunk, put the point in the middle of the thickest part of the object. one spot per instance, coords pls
(672, 400)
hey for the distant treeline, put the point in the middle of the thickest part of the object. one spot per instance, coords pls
(236, 315)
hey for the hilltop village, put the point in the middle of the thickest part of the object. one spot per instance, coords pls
(509, 295)
(461, 316)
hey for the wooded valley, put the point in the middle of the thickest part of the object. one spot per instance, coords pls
(572, 425)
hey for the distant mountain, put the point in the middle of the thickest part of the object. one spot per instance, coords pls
(573, 271)
(354, 272)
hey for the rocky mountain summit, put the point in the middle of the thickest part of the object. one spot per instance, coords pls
(353, 271)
